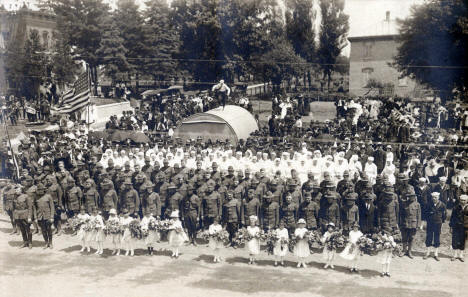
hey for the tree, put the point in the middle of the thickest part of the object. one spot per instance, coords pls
(300, 17)
(433, 44)
(112, 52)
(130, 22)
(162, 40)
(281, 63)
(63, 66)
(333, 32)
(81, 22)
(26, 66)
(342, 65)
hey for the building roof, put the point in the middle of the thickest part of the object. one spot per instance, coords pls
(241, 121)
(378, 30)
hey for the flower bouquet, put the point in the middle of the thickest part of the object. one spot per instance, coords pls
(205, 235)
(241, 237)
(113, 227)
(366, 244)
(163, 225)
(260, 235)
(271, 240)
(335, 241)
(383, 242)
(153, 225)
(135, 230)
(222, 236)
(292, 243)
(313, 237)
(75, 223)
(89, 226)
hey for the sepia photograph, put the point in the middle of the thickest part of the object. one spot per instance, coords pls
(238, 148)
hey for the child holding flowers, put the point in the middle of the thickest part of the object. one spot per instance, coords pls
(385, 256)
(351, 251)
(214, 243)
(329, 250)
(98, 231)
(253, 245)
(82, 232)
(176, 235)
(148, 229)
(114, 231)
(301, 250)
(281, 246)
(128, 242)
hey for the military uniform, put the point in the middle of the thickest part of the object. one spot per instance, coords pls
(73, 200)
(329, 213)
(435, 215)
(9, 196)
(130, 200)
(388, 212)
(309, 211)
(410, 220)
(45, 216)
(91, 199)
(231, 216)
(211, 208)
(250, 207)
(349, 213)
(270, 214)
(191, 215)
(289, 213)
(23, 213)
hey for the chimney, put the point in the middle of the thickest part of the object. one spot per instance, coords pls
(387, 16)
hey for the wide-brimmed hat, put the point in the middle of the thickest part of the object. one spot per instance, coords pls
(112, 211)
(331, 224)
(301, 221)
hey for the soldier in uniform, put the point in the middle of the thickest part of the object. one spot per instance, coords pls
(458, 227)
(329, 212)
(163, 192)
(388, 211)
(269, 213)
(147, 168)
(174, 201)
(250, 207)
(191, 213)
(211, 206)
(54, 190)
(23, 213)
(150, 201)
(410, 221)
(73, 197)
(129, 199)
(309, 211)
(368, 214)
(436, 213)
(28, 183)
(9, 196)
(90, 196)
(349, 212)
(45, 214)
(231, 214)
(109, 197)
(289, 213)
(294, 191)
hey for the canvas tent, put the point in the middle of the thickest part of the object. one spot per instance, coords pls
(233, 123)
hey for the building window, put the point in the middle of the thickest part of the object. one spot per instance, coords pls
(366, 75)
(403, 81)
(45, 39)
(367, 53)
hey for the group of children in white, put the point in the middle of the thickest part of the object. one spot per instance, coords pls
(123, 236)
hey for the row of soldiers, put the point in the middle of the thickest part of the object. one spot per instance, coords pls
(201, 196)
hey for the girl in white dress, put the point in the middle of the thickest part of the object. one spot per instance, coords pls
(351, 251)
(177, 235)
(214, 244)
(253, 245)
(280, 250)
(82, 234)
(385, 256)
(127, 241)
(328, 254)
(98, 232)
(115, 238)
(151, 237)
(301, 250)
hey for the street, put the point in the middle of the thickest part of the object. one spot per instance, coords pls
(64, 271)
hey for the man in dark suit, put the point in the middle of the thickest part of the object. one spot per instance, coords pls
(367, 214)
(380, 158)
(446, 195)
(435, 213)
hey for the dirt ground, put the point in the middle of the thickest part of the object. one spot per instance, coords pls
(64, 271)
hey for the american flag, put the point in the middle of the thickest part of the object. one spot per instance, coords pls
(77, 97)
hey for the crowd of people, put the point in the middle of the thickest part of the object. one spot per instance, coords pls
(356, 181)
(14, 108)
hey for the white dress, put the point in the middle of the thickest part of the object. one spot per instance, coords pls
(301, 249)
(177, 235)
(351, 250)
(326, 252)
(98, 232)
(153, 235)
(281, 249)
(81, 234)
(385, 256)
(125, 222)
(213, 243)
(254, 244)
(115, 238)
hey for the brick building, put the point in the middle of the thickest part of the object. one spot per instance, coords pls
(370, 58)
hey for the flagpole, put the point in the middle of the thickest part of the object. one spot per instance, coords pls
(90, 93)
(11, 150)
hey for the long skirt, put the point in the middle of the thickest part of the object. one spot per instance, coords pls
(253, 246)
(350, 252)
(215, 244)
(98, 235)
(301, 249)
(81, 234)
(280, 250)
(152, 237)
(385, 256)
(177, 239)
(88, 236)
(115, 238)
